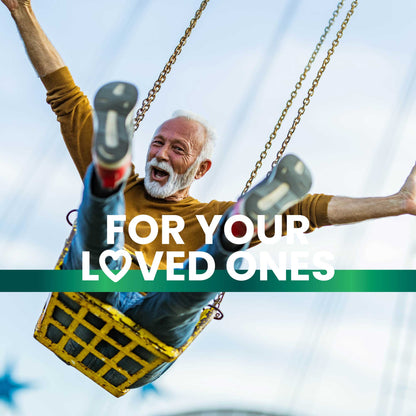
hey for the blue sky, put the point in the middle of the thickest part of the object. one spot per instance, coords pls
(357, 137)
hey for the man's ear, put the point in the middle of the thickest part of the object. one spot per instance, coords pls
(203, 168)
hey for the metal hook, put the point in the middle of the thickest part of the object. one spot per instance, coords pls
(67, 216)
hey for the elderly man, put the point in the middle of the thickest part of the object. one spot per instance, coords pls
(170, 316)
(179, 153)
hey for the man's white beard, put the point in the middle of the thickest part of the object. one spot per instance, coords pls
(175, 181)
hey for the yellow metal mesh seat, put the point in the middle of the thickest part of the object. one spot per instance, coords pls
(79, 329)
(101, 342)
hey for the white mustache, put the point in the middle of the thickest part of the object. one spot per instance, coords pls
(162, 165)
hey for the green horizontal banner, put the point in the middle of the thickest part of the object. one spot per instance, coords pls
(181, 281)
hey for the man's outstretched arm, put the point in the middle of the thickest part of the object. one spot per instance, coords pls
(343, 210)
(44, 57)
(71, 106)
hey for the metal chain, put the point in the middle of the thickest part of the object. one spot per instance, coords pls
(314, 84)
(293, 95)
(162, 76)
(216, 305)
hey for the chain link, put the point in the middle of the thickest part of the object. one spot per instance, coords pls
(293, 94)
(162, 76)
(216, 305)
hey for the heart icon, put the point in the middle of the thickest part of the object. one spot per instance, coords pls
(115, 277)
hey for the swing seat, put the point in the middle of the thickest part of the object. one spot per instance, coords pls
(79, 328)
(101, 342)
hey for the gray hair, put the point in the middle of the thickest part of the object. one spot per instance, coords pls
(210, 136)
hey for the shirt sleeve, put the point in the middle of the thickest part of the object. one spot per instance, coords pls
(314, 207)
(74, 113)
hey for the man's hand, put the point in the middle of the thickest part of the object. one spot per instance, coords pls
(343, 210)
(408, 193)
(13, 5)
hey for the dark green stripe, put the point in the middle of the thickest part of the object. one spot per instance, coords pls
(343, 281)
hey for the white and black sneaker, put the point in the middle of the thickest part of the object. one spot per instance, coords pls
(288, 183)
(113, 132)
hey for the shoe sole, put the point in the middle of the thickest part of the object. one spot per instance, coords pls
(113, 105)
(288, 183)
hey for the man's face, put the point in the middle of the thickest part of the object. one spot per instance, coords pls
(174, 150)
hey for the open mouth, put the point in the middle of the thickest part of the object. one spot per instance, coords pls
(159, 174)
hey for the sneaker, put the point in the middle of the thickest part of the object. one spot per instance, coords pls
(113, 131)
(288, 183)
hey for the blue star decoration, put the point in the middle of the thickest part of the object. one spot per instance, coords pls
(148, 389)
(8, 386)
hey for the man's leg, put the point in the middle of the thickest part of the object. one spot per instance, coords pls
(105, 179)
(91, 232)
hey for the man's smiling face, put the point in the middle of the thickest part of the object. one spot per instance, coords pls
(173, 158)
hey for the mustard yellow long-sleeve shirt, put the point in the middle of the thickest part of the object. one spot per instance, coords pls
(74, 114)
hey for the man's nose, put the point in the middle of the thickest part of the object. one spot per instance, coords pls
(162, 153)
